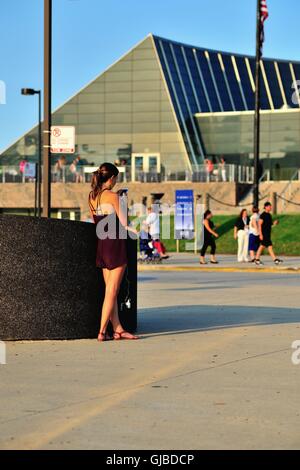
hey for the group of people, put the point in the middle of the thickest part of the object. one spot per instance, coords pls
(218, 172)
(75, 170)
(253, 235)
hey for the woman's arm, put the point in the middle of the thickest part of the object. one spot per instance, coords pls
(92, 215)
(209, 229)
(120, 211)
(235, 232)
(92, 210)
(260, 229)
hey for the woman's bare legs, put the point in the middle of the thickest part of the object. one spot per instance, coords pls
(115, 320)
(119, 332)
(112, 281)
(110, 312)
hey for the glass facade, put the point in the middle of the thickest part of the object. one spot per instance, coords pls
(231, 135)
(126, 110)
(155, 100)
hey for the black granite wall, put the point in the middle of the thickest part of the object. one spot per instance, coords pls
(49, 285)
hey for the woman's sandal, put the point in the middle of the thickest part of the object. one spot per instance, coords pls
(118, 335)
(103, 337)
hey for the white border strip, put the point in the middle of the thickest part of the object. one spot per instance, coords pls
(226, 81)
(214, 80)
(177, 102)
(262, 66)
(202, 81)
(238, 78)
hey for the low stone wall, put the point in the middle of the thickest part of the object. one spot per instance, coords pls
(50, 287)
(74, 196)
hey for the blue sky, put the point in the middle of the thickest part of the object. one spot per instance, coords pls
(89, 35)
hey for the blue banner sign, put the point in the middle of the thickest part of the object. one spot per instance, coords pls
(30, 170)
(184, 214)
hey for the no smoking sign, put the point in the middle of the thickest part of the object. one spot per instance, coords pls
(63, 139)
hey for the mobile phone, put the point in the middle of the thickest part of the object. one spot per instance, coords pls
(123, 192)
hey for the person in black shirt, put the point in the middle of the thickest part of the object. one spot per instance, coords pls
(265, 229)
(209, 234)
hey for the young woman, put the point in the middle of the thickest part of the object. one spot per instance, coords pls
(241, 234)
(106, 210)
(254, 234)
(209, 234)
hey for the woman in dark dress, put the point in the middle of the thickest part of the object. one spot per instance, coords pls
(209, 239)
(111, 221)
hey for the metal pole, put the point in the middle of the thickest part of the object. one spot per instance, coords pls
(39, 166)
(257, 109)
(47, 107)
(195, 225)
(36, 191)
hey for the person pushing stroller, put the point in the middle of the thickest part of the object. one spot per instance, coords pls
(147, 251)
(153, 223)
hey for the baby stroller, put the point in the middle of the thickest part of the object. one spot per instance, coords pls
(148, 253)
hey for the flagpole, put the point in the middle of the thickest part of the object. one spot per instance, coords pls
(257, 108)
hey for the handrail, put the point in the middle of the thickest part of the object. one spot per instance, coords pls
(282, 195)
(296, 174)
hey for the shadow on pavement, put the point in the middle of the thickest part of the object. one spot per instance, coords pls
(193, 318)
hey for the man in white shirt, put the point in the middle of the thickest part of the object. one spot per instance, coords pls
(254, 234)
(154, 223)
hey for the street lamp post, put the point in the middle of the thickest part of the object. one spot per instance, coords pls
(47, 107)
(38, 176)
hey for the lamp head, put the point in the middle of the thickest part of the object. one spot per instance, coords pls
(28, 91)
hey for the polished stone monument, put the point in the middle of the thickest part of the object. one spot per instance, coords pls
(49, 285)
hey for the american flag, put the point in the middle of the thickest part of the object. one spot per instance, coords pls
(264, 15)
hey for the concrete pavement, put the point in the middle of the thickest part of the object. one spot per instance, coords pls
(213, 370)
(190, 262)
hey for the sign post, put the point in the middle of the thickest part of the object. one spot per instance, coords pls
(47, 107)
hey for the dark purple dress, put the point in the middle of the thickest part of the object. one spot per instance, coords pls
(111, 239)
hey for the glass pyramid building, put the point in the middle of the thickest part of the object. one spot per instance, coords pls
(180, 104)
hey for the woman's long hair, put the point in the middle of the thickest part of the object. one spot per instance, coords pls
(206, 214)
(101, 176)
(242, 212)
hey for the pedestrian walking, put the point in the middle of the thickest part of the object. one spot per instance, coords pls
(209, 239)
(76, 170)
(209, 167)
(222, 166)
(265, 231)
(254, 234)
(153, 223)
(241, 234)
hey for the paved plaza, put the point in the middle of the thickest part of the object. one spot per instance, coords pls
(213, 370)
(190, 262)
